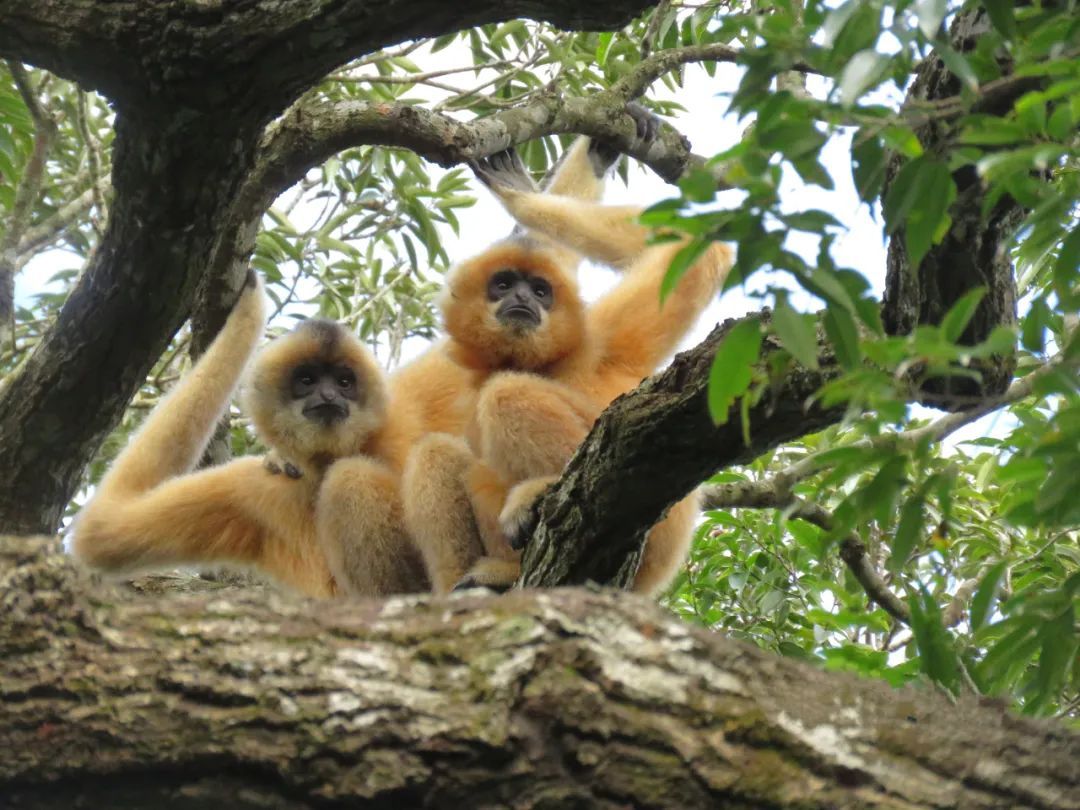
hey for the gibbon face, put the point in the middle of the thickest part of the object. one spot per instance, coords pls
(513, 307)
(316, 393)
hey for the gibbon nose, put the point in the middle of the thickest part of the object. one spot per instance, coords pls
(327, 393)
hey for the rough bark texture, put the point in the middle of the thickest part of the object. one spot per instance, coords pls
(974, 253)
(648, 450)
(535, 699)
(258, 55)
(132, 298)
(195, 84)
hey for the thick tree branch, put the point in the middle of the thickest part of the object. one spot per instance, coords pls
(253, 54)
(541, 699)
(649, 449)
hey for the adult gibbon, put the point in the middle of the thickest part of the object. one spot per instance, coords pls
(552, 365)
(316, 396)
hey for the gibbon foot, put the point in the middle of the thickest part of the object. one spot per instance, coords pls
(503, 170)
(518, 519)
(491, 573)
(604, 155)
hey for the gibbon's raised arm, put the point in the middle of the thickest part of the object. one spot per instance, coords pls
(175, 434)
(146, 512)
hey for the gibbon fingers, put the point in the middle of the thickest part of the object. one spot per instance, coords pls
(315, 395)
(515, 311)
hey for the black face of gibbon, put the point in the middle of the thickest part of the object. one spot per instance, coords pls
(326, 390)
(522, 298)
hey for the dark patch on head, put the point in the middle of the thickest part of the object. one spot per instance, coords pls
(325, 331)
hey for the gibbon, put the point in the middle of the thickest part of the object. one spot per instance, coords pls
(316, 396)
(551, 365)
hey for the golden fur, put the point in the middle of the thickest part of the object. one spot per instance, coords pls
(151, 511)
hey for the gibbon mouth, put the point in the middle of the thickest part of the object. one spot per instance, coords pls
(520, 315)
(326, 412)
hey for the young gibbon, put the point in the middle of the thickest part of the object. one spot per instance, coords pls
(315, 395)
(552, 365)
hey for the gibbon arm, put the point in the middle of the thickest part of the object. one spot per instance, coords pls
(221, 514)
(638, 331)
(142, 513)
(175, 434)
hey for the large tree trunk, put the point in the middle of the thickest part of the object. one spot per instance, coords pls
(535, 699)
(974, 251)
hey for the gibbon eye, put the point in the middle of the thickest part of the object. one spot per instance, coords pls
(541, 289)
(346, 379)
(501, 283)
(305, 376)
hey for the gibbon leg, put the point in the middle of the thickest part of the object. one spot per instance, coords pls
(666, 547)
(438, 508)
(361, 528)
(500, 566)
(528, 426)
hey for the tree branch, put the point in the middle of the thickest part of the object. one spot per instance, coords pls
(554, 698)
(158, 55)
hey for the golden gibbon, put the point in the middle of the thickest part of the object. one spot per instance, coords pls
(549, 366)
(318, 398)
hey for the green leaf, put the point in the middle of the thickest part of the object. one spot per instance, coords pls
(927, 222)
(1001, 15)
(732, 368)
(903, 194)
(960, 314)
(1035, 324)
(937, 657)
(796, 331)
(959, 66)
(1058, 643)
(865, 69)
(984, 596)
(844, 336)
(603, 46)
(930, 14)
(907, 532)
(681, 262)
(1065, 268)
(868, 162)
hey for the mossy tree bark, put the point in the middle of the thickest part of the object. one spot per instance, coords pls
(559, 698)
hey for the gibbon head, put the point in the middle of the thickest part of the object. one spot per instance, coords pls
(316, 394)
(514, 306)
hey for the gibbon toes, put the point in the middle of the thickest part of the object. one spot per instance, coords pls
(517, 519)
(648, 125)
(491, 573)
(503, 170)
(604, 154)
